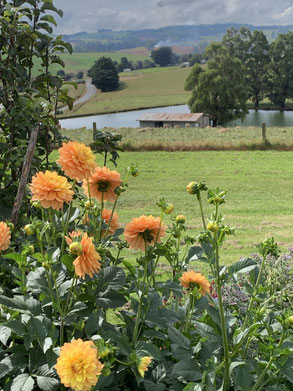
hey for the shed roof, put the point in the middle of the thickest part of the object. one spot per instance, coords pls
(168, 117)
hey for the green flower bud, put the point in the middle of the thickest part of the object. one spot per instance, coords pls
(169, 209)
(213, 226)
(29, 229)
(88, 205)
(46, 265)
(31, 249)
(192, 188)
(76, 248)
(180, 219)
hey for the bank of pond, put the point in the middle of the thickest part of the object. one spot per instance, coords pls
(129, 119)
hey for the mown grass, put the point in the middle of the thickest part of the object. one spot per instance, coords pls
(194, 139)
(259, 193)
(76, 62)
(149, 89)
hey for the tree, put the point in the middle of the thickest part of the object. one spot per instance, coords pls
(252, 49)
(79, 75)
(280, 74)
(28, 104)
(162, 56)
(104, 74)
(219, 90)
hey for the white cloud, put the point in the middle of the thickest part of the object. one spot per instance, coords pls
(91, 15)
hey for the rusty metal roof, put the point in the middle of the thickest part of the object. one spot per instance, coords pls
(169, 117)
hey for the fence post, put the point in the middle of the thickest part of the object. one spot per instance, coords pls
(264, 132)
(94, 126)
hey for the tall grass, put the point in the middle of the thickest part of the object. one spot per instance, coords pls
(191, 139)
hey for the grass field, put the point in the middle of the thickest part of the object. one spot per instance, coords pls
(259, 198)
(193, 139)
(149, 89)
(76, 62)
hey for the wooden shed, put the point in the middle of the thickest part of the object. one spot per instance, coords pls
(171, 120)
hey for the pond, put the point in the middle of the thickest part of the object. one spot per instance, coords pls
(129, 118)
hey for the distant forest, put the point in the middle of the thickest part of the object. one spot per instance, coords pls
(198, 37)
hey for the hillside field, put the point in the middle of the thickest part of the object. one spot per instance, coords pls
(142, 89)
(76, 62)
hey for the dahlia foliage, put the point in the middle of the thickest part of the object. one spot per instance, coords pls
(85, 304)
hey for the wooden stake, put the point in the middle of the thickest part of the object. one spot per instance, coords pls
(24, 174)
(264, 131)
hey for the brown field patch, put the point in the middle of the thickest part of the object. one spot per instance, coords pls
(140, 51)
(182, 49)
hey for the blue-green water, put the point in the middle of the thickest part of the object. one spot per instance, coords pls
(129, 119)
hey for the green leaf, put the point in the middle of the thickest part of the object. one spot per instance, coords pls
(151, 386)
(242, 266)
(162, 317)
(24, 304)
(93, 323)
(178, 338)
(110, 278)
(111, 299)
(49, 18)
(195, 252)
(23, 382)
(49, 6)
(46, 379)
(47, 344)
(5, 333)
(67, 260)
(17, 326)
(187, 369)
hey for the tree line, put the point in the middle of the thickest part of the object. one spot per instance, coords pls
(243, 66)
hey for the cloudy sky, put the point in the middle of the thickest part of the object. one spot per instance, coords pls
(91, 15)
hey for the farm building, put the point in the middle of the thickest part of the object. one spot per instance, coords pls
(171, 120)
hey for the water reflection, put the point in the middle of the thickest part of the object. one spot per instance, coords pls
(129, 118)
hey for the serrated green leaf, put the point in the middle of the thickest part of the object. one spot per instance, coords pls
(23, 382)
(178, 338)
(187, 369)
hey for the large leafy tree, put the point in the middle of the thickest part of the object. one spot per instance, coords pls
(252, 49)
(280, 74)
(220, 89)
(104, 74)
(162, 56)
(28, 94)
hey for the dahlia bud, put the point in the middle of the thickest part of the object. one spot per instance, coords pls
(169, 209)
(76, 248)
(192, 188)
(213, 226)
(31, 249)
(46, 265)
(180, 219)
(290, 319)
(104, 352)
(29, 229)
(88, 205)
(36, 204)
(10, 225)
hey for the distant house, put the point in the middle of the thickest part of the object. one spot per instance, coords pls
(171, 120)
(127, 70)
(185, 64)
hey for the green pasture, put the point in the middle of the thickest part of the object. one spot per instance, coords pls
(76, 62)
(259, 188)
(149, 89)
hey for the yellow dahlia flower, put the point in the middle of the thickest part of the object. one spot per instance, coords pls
(78, 366)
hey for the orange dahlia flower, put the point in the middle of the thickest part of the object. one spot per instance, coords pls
(144, 229)
(191, 279)
(78, 366)
(106, 215)
(5, 235)
(88, 262)
(76, 160)
(51, 189)
(103, 181)
(142, 367)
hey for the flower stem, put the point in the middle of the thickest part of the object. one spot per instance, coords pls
(101, 217)
(225, 384)
(65, 226)
(201, 211)
(138, 316)
(111, 217)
